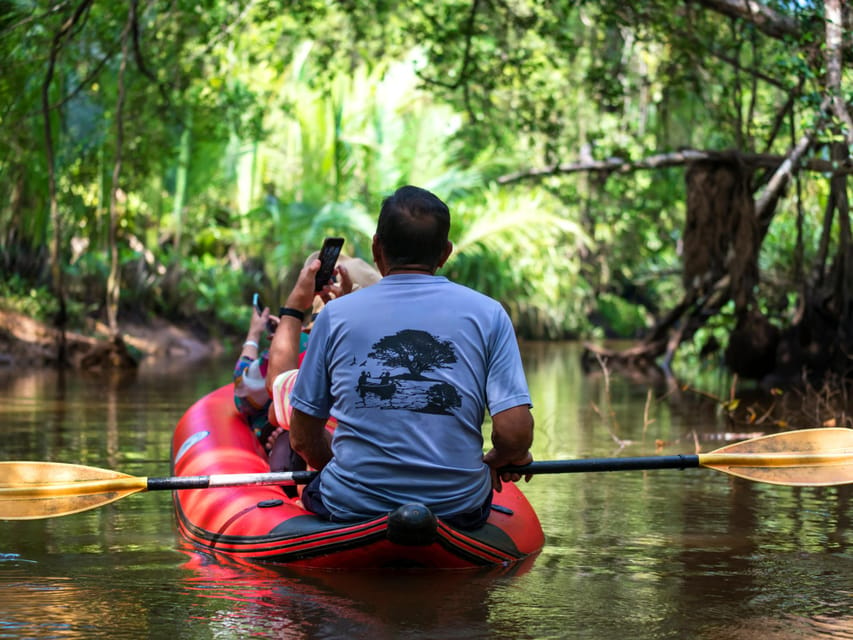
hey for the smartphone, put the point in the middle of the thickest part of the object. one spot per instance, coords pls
(328, 257)
(259, 308)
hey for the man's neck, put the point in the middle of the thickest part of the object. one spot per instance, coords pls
(411, 268)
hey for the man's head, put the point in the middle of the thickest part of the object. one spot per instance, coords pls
(412, 231)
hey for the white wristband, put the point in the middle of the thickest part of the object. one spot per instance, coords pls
(250, 343)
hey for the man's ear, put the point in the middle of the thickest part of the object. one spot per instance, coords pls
(448, 249)
(379, 257)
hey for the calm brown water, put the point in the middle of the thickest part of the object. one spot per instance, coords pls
(633, 555)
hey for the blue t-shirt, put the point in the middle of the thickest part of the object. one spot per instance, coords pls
(408, 367)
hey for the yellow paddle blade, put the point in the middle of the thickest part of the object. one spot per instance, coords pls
(804, 458)
(32, 490)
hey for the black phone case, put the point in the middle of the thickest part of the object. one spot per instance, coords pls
(328, 257)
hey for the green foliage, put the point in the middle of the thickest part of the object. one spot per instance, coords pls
(253, 130)
(36, 302)
(523, 248)
(212, 292)
(620, 318)
(703, 353)
(21, 296)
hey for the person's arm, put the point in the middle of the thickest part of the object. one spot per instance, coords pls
(284, 350)
(257, 328)
(250, 394)
(310, 439)
(512, 435)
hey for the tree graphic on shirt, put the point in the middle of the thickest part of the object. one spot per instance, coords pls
(414, 350)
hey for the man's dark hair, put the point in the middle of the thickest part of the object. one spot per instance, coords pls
(413, 227)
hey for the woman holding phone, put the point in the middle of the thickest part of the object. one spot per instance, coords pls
(251, 396)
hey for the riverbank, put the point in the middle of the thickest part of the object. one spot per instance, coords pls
(25, 342)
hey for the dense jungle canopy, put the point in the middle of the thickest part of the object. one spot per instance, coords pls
(671, 170)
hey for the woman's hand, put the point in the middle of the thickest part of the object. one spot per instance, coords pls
(342, 285)
(258, 324)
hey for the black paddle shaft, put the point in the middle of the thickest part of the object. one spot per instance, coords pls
(536, 468)
(606, 464)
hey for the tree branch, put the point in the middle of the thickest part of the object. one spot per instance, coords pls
(789, 164)
(225, 30)
(462, 79)
(768, 21)
(137, 54)
(55, 47)
(137, 50)
(466, 56)
(673, 159)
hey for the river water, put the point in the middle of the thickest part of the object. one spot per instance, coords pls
(639, 555)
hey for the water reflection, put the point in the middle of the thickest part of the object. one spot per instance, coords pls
(646, 555)
(310, 603)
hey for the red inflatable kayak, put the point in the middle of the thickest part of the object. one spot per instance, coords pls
(262, 524)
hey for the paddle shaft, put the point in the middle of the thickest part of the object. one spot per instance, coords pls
(715, 460)
(176, 483)
(680, 461)
(606, 464)
(806, 458)
(230, 480)
(88, 487)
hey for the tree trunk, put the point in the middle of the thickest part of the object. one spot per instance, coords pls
(720, 231)
(55, 260)
(834, 65)
(114, 278)
(181, 183)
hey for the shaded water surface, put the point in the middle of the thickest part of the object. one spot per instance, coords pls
(657, 554)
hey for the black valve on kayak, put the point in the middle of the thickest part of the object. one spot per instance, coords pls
(412, 525)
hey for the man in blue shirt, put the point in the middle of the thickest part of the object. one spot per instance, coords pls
(408, 368)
